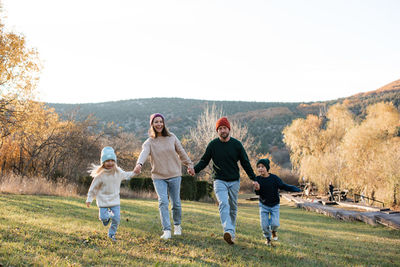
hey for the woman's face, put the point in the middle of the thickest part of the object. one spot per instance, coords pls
(158, 124)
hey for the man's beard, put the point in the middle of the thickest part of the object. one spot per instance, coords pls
(224, 135)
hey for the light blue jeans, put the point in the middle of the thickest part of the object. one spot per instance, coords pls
(227, 196)
(269, 219)
(171, 187)
(104, 216)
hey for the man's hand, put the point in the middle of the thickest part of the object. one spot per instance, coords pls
(256, 186)
(191, 171)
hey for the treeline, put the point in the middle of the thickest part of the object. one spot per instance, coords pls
(34, 141)
(361, 155)
(182, 115)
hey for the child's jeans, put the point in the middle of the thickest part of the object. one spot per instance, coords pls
(105, 216)
(269, 219)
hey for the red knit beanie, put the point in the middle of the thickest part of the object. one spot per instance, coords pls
(223, 122)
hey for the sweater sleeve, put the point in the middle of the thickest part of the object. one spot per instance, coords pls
(93, 189)
(126, 175)
(244, 161)
(286, 187)
(182, 154)
(205, 159)
(145, 152)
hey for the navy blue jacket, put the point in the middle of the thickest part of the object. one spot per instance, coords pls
(269, 194)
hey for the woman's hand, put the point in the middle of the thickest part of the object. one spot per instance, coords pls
(138, 168)
(191, 171)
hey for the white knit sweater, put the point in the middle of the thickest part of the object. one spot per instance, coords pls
(106, 187)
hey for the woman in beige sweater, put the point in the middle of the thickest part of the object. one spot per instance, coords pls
(167, 156)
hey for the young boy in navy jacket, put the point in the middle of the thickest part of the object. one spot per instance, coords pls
(266, 185)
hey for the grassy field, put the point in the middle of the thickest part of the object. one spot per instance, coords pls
(60, 231)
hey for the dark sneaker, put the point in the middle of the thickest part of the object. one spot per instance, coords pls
(228, 238)
(113, 238)
(105, 223)
(268, 241)
(274, 235)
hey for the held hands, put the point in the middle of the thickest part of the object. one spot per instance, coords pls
(137, 169)
(88, 204)
(256, 186)
(191, 171)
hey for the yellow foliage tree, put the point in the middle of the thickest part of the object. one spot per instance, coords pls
(19, 73)
(361, 157)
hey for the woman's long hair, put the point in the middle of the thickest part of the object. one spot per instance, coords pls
(164, 132)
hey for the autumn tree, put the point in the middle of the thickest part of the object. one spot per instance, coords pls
(362, 157)
(19, 72)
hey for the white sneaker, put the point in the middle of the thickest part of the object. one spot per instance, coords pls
(274, 235)
(177, 230)
(166, 235)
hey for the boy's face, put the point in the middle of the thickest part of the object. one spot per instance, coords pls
(262, 171)
(109, 164)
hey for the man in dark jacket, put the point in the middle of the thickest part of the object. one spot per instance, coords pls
(225, 152)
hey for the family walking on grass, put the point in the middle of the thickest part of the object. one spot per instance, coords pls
(166, 157)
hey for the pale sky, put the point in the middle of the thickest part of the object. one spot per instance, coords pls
(248, 50)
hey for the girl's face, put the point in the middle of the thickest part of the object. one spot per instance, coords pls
(262, 171)
(158, 124)
(109, 164)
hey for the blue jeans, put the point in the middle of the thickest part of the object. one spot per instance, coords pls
(171, 186)
(104, 216)
(227, 196)
(269, 219)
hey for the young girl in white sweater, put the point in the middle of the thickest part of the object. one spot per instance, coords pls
(106, 187)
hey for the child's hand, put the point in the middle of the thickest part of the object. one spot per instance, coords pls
(137, 169)
(88, 204)
(256, 186)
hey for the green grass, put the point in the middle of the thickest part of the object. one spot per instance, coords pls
(59, 231)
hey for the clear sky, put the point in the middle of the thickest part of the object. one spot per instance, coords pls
(248, 50)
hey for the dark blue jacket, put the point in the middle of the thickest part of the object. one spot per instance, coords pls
(269, 194)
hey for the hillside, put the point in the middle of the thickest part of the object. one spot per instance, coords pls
(265, 120)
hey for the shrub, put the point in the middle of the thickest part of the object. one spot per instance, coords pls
(188, 188)
(191, 189)
(84, 183)
(202, 189)
(141, 184)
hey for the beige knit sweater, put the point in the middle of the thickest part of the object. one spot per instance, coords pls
(167, 156)
(106, 186)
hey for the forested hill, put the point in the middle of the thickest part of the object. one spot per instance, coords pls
(265, 120)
